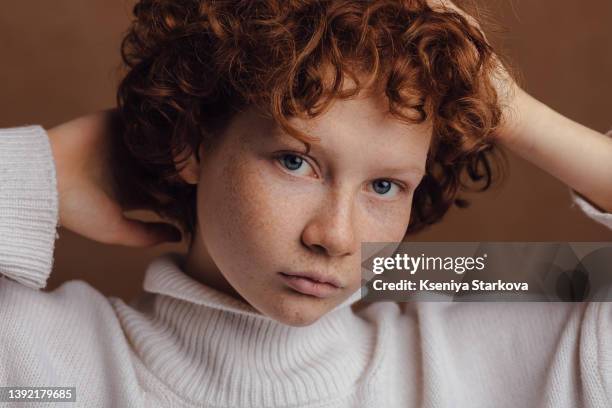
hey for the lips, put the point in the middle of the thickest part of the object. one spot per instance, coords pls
(315, 276)
(312, 284)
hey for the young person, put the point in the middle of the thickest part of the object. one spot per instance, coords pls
(279, 136)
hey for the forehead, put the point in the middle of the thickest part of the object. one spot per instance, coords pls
(358, 129)
(365, 128)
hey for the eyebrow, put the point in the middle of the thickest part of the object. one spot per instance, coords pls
(280, 135)
(413, 170)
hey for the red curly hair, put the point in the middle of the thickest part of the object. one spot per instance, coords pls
(193, 64)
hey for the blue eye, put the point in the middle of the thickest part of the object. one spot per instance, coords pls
(295, 164)
(292, 162)
(382, 187)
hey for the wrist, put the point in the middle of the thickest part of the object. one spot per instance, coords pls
(519, 111)
(57, 143)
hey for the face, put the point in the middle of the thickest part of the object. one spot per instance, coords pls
(268, 209)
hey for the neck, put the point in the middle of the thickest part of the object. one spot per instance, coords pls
(212, 349)
(200, 266)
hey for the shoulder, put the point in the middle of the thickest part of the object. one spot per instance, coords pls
(73, 297)
(597, 344)
(69, 335)
(70, 310)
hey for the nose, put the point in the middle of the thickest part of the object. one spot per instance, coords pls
(331, 230)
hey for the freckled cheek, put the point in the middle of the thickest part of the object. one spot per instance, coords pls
(262, 209)
(385, 222)
(242, 228)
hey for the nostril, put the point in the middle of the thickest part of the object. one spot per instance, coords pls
(319, 248)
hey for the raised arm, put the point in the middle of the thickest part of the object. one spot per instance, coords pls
(576, 155)
(62, 176)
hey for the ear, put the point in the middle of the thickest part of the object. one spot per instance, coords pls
(188, 167)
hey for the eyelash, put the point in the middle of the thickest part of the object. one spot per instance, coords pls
(279, 158)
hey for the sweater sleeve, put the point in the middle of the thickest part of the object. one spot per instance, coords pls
(28, 205)
(591, 211)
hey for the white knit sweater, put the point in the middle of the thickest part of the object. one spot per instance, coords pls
(183, 344)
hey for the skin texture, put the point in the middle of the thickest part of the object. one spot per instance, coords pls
(257, 218)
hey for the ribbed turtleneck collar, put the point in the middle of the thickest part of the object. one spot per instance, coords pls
(210, 348)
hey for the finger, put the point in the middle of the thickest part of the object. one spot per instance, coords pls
(137, 233)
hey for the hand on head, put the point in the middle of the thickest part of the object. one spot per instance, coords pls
(89, 203)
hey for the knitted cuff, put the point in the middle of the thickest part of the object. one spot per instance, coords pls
(593, 212)
(28, 205)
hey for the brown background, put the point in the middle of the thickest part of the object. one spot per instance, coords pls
(59, 60)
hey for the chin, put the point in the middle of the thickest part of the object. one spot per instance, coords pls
(298, 312)
(298, 320)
